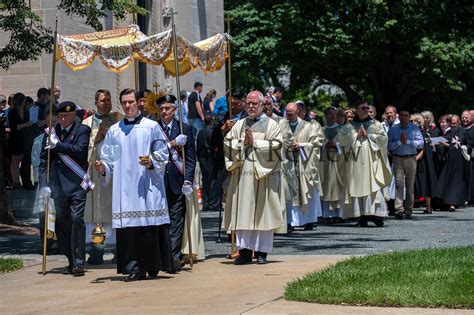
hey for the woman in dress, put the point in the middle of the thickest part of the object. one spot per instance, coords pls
(18, 120)
(426, 180)
(454, 192)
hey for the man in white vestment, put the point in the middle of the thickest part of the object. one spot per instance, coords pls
(364, 143)
(99, 201)
(253, 207)
(134, 155)
(305, 206)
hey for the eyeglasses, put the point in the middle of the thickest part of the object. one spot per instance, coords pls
(253, 104)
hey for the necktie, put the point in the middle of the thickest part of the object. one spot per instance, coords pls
(167, 130)
(63, 134)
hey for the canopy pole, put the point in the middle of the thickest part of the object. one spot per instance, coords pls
(228, 19)
(178, 88)
(135, 63)
(48, 165)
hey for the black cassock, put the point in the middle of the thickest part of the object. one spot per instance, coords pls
(426, 180)
(455, 173)
(144, 249)
(470, 184)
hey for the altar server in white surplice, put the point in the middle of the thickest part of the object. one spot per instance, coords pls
(133, 156)
(253, 208)
(305, 206)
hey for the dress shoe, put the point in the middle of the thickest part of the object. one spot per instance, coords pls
(78, 271)
(363, 222)
(408, 215)
(262, 260)
(67, 270)
(452, 209)
(428, 211)
(135, 277)
(243, 260)
(378, 221)
(308, 227)
(153, 275)
(399, 216)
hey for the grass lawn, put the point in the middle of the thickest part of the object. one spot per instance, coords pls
(419, 278)
(10, 264)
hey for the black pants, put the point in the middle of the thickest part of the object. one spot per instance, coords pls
(70, 226)
(212, 187)
(176, 208)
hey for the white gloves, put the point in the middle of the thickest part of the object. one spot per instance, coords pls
(181, 139)
(54, 141)
(187, 188)
(45, 193)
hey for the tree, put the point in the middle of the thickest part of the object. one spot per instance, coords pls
(29, 39)
(412, 53)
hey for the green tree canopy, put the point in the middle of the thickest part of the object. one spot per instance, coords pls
(412, 53)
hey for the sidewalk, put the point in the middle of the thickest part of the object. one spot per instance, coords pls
(211, 287)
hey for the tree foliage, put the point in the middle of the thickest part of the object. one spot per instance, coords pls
(411, 53)
(29, 38)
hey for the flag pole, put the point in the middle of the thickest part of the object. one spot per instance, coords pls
(178, 92)
(50, 123)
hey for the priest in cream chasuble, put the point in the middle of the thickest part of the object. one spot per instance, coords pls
(302, 160)
(364, 143)
(332, 167)
(253, 207)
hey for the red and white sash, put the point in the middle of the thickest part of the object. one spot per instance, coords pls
(73, 166)
(177, 160)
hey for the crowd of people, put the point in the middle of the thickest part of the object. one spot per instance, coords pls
(270, 167)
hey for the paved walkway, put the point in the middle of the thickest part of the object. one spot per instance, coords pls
(216, 286)
(212, 287)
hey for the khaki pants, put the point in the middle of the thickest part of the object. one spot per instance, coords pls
(405, 172)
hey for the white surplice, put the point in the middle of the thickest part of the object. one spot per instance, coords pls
(139, 194)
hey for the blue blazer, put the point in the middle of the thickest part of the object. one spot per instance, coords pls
(62, 178)
(173, 177)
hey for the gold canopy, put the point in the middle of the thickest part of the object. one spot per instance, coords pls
(119, 47)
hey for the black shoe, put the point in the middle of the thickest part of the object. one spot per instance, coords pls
(78, 271)
(261, 260)
(378, 222)
(452, 209)
(399, 216)
(135, 277)
(67, 270)
(308, 227)
(243, 260)
(177, 264)
(153, 275)
(408, 216)
(363, 222)
(289, 230)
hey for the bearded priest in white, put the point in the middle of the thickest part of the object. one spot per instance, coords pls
(332, 168)
(305, 206)
(253, 208)
(99, 201)
(134, 155)
(364, 143)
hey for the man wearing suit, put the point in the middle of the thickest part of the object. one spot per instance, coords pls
(68, 183)
(177, 185)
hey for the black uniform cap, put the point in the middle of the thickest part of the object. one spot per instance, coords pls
(66, 107)
(167, 98)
